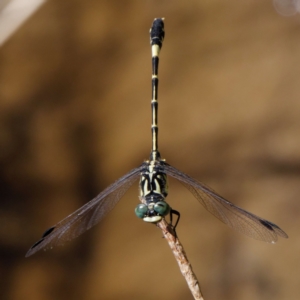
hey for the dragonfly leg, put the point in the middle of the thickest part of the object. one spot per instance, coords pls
(177, 213)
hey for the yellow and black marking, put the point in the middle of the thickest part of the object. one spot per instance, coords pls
(157, 35)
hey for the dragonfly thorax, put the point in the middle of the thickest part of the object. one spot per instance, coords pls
(153, 182)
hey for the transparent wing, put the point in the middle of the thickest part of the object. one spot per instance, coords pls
(230, 214)
(87, 216)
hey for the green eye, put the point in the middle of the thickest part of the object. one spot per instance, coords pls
(141, 210)
(162, 208)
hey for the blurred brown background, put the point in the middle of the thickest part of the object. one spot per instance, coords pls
(75, 89)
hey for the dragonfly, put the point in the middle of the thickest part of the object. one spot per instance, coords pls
(153, 188)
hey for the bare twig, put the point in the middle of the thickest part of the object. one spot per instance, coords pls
(181, 258)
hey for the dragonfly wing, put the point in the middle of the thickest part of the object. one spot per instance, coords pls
(87, 216)
(230, 214)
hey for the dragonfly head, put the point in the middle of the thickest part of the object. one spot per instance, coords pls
(152, 212)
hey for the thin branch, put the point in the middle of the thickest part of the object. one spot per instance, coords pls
(181, 258)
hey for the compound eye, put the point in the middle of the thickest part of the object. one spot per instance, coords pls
(162, 208)
(141, 210)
